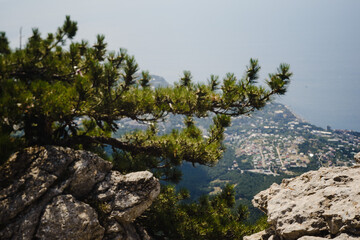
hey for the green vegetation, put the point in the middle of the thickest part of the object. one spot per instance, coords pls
(246, 184)
(61, 92)
(303, 147)
(209, 218)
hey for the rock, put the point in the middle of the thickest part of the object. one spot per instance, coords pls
(27, 176)
(53, 192)
(342, 236)
(24, 226)
(78, 218)
(357, 158)
(88, 170)
(126, 196)
(321, 204)
(256, 236)
(122, 198)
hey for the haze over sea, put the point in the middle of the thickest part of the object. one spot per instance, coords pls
(320, 40)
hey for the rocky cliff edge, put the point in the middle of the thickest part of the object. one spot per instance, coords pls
(59, 193)
(323, 204)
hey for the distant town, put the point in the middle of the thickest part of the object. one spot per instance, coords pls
(276, 140)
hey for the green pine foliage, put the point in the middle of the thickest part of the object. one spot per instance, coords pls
(209, 218)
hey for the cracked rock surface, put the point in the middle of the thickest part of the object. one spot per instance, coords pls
(323, 204)
(60, 193)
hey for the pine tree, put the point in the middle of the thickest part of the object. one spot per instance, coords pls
(72, 93)
(170, 217)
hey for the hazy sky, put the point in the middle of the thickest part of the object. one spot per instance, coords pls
(320, 39)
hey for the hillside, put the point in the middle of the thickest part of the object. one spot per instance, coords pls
(266, 147)
(157, 81)
(263, 148)
(274, 141)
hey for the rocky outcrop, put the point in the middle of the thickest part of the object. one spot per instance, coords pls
(323, 204)
(65, 212)
(357, 158)
(59, 193)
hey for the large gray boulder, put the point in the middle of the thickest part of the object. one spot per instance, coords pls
(323, 204)
(65, 212)
(60, 193)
